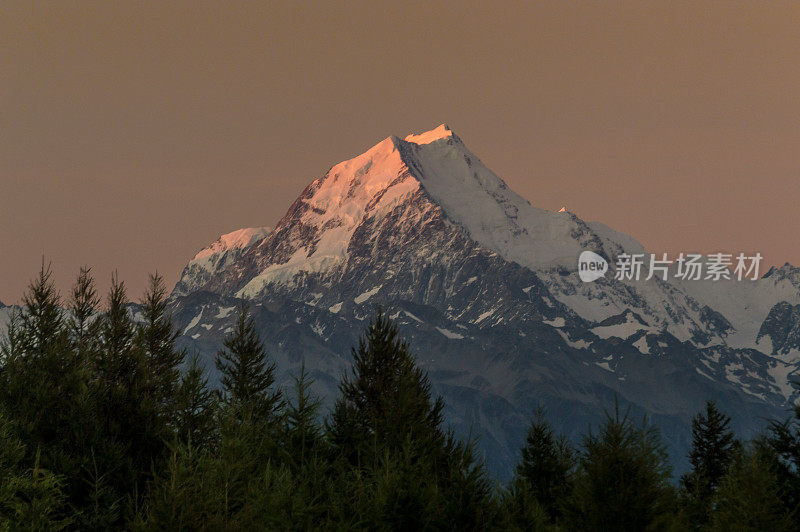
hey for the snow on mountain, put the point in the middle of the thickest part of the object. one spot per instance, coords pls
(494, 215)
(746, 304)
(387, 175)
(546, 242)
(369, 185)
(220, 254)
(486, 287)
(241, 238)
(437, 169)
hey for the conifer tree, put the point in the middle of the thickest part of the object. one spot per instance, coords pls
(748, 496)
(119, 363)
(544, 475)
(387, 427)
(386, 398)
(131, 432)
(88, 493)
(42, 373)
(713, 450)
(42, 319)
(247, 376)
(45, 377)
(303, 431)
(623, 481)
(157, 337)
(83, 306)
(195, 408)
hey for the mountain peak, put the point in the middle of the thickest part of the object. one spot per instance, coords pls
(432, 172)
(441, 132)
(435, 169)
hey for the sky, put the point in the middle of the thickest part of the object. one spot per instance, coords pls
(133, 134)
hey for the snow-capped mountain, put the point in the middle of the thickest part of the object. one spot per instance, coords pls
(486, 287)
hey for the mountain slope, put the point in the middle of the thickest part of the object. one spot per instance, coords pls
(485, 285)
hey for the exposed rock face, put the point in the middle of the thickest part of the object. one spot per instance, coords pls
(485, 287)
(782, 329)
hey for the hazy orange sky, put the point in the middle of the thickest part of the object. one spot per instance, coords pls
(132, 134)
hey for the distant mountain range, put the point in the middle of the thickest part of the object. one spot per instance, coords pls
(486, 288)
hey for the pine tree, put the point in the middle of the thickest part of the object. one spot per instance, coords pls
(83, 308)
(387, 430)
(46, 375)
(713, 449)
(119, 364)
(386, 398)
(85, 324)
(157, 337)
(748, 496)
(303, 431)
(94, 503)
(247, 376)
(195, 408)
(623, 480)
(42, 378)
(544, 475)
(42, 318)
(131, 434)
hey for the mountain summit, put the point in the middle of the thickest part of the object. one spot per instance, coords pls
(427, 171)
(486, 287)
(441, 132)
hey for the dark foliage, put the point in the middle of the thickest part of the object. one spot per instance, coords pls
(623, 480)
(247, 375)
(713, 450)
(105, 424)
(544, 478)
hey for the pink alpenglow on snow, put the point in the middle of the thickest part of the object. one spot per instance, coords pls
(240, 238)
